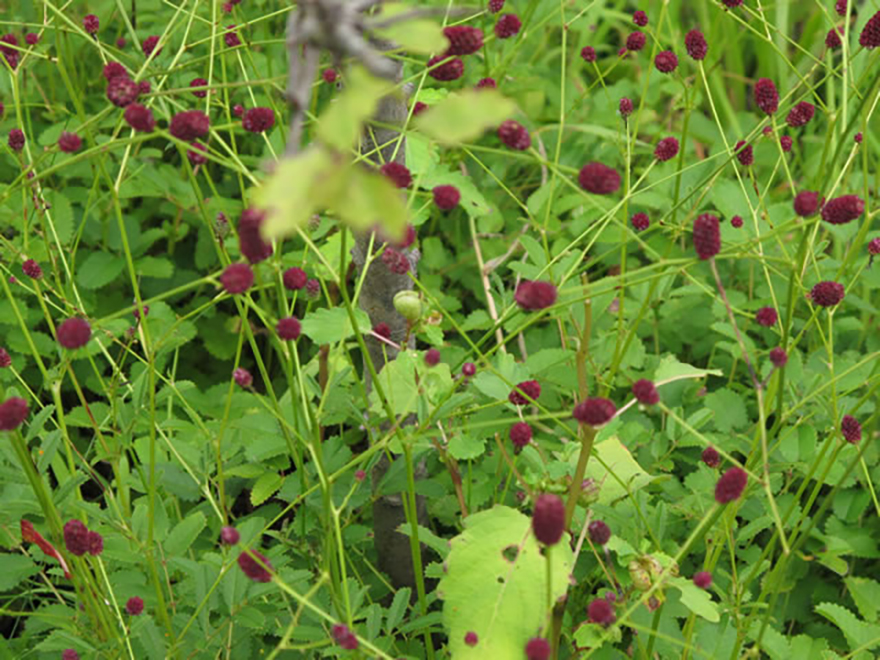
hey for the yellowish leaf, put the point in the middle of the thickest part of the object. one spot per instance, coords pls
(465, 116)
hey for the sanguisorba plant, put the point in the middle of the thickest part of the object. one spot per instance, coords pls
(346, 329)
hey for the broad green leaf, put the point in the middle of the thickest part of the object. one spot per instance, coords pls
(265, 487)
(464, 447)
(368, 199)
(295, 190)
(184, 533)
(15, 569)
(699, 601)
(496, 584)
(858, 633)
(465, 116)
(729, 409)
(614, 470)
(416, 36)
(866, 594)
(99, 269)
(330, 325)
(670, 368)
(340, 126)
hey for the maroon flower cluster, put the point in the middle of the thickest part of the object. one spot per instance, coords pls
(5, 359)
(640, 221)
(199, 82)
(397, 173)
(496, 5)
(508, 25)
(533, 295)
(827, 293)
(527, 388)
(255, 566)
(514, 135)
(16, 139)
(74, 333)
(870, 36)
(395, 261)
(294, 278)
(744, 153)
(149, 44)
(695, 44)
(520, 434)
(640, 18)
(344, 637)
(79, 540)
(548, 518)
(626, 107)
(237, 278)
(595, 411)
(432, 357)
(645, 392)
(767, 317)
(258, 120)
(778, 357)
(736, 221)
(635, 41)
(666, 61)
(140, 118)
(851, 429)
(703, 579)
(242, 378)
(806, 203)
(250, 240)
(538, 648)
(288, 328)
(786, 143)
(599, 532)
(122, 91)
(189, 125)
(766, 96)
(711, 457)
(666, 149)
(844, 209)
(588, 54)
(486, 83)
(599, 179)
(32, 269)
(463, 39)
(707, 236)
(832, 39)
(13, 412)
(600, 611)
(450, 70)
(446, 197)
(731, 485)
(801, 114)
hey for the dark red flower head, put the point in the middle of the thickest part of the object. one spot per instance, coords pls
(140, 118)
(383, 330)
(122, 91)
(731, 485)
(32, 269)
(588, 53)
(851, 429)
(806, 203)
(91, 24)
(827, 294)
(626, 107)
(69, 654)
(344, 637)
(538, 648)
(135, 605)
(76, 537)
(786, 143)
(463, 39)
(397, 173)
(149, 45)
(532, 295)
(666, 61)
(419, 107)
(530, 388)
(520, 434)
(446, 197)
(696, 45)
(255, 566)
(237, 278)
(666, 149)
(832, 39)
(874, 247)
(711, 457)
(243, 378)
(189, 125)
(767, 317)
(778, 357)
(96, 543)
(120, 43)
(599, 179)
(74, 333)
(599, 532)
(645, 392)
(250, 240)
(640, 18)
(114, 70)
(870, 36)
(595, 411)
(496, 5)
(640, 221)
(451, 70)
(199, 82)
(707, 236)
(548, 518)
(844, 209)
(507, 26)
(238, 110)
(258, 120)
(432, 357)
(16, 139)
(766, 96)
(840, 7)
(486, 83)
(514, 135)
(231, 40)
(196, 155)
(229, 535)
(295, 278)
(32, 38)
(6, 361)
(801, 114)
(703, 579)
(471, 638)
(288, 328)
(732, 4)
(744, 153)
(468, 369)
(736, 221)
(635, 41)
(13, 412)
(600, 611)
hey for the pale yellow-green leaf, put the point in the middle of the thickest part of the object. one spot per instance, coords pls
(465, 116)
(369, 199)
(340, 125)
(416, 36)
(615, 471)
(291, 194)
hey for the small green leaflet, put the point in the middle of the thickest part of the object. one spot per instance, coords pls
(464, 116)
(416, 36)
(699, 601)
(340, 126)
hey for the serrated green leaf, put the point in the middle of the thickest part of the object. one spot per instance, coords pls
(330, 325)
(496, 584)
(464, 447)
(15, 569)
(729, 409)
(699, 601)
(265, 487)
(397, 609)
(859, 635)
(464, 116)
(866, 594)
(184, 534)
(98, 270)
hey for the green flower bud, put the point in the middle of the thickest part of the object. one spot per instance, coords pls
(408, 305)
